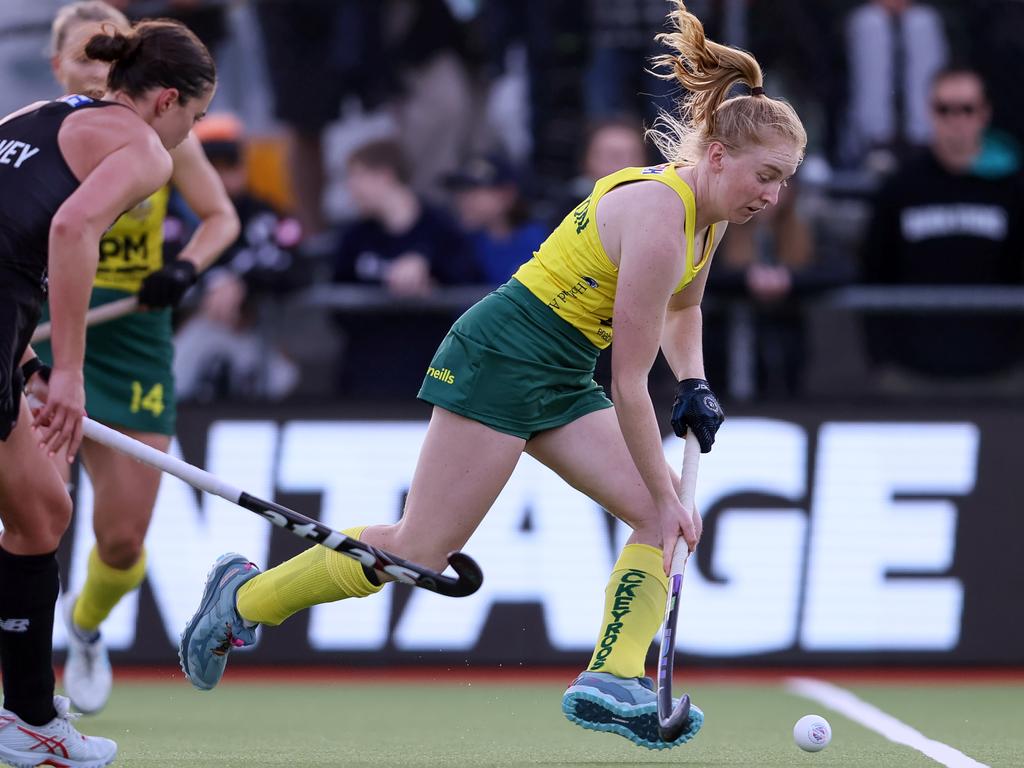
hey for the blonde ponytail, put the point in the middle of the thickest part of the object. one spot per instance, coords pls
(82, 11)
(708, 71)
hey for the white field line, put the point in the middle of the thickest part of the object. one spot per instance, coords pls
(846, 703)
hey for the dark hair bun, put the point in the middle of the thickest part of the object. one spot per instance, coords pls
(112, 47)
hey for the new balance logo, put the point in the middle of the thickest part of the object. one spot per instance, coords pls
(13, 625)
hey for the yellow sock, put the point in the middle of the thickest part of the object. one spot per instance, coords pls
(104, 587)
(634, 608)
(318, 575)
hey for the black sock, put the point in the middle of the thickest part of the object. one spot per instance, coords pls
(28, 596)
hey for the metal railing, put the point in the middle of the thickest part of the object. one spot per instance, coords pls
(740, 313)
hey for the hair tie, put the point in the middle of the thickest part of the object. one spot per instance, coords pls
(757, 90)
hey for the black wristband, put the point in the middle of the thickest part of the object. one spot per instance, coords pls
(31, 367)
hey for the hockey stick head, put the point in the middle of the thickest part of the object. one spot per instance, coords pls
(469, 579)
(466, 583)
(671, 727)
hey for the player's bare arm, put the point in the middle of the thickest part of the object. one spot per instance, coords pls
(201, 187)
(113, 185)
(651, 262)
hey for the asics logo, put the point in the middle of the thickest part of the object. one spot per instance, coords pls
(51, 744)
(14, 625)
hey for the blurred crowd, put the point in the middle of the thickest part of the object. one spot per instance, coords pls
(414, 146)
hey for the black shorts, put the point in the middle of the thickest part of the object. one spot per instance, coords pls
(20, 304)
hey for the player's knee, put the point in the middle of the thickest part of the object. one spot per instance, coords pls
(643, 518)
(42, 519)
(58, 509)
(120, 548)
(638, 513)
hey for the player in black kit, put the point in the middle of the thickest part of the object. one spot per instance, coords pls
(68, 169)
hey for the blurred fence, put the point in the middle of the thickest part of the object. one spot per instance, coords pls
(831, 318)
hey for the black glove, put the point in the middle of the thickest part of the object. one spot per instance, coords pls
(166, 286)
(33, 366)
(697, 407)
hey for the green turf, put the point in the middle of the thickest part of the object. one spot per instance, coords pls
(982, 721)
(398, 725)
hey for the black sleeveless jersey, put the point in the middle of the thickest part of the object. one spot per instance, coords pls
(35, 180)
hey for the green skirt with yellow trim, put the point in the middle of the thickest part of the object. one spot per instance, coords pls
(511, 363)
(128, 378)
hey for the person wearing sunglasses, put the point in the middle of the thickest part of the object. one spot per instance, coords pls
(940, 220)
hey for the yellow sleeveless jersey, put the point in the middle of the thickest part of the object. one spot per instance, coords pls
(133, 248)
(573, 275)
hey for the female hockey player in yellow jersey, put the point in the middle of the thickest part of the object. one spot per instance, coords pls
(515, 374)
(128, 379)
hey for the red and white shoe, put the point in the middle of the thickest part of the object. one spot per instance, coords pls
(57, 744)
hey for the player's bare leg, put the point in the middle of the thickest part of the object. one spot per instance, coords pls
(124, 492)
(463, 465)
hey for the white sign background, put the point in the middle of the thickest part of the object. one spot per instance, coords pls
(854, 558)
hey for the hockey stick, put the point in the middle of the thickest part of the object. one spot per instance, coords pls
(672, 720)
(101, 314)
(466, 583)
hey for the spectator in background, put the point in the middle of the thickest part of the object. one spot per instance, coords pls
(611, 144)
(221, 352)
(544, 42)
(998, 49)
(408, 247)
(621, 44)
(766, 261)
(399, 241)
(434, 108)
(894, 48)
(937, 221)
(320, 52)
(407, 58)
(494, 216)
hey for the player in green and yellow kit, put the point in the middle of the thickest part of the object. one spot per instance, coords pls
(515, 374)
(128, 379)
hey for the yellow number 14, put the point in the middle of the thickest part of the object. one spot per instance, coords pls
(153, 401)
